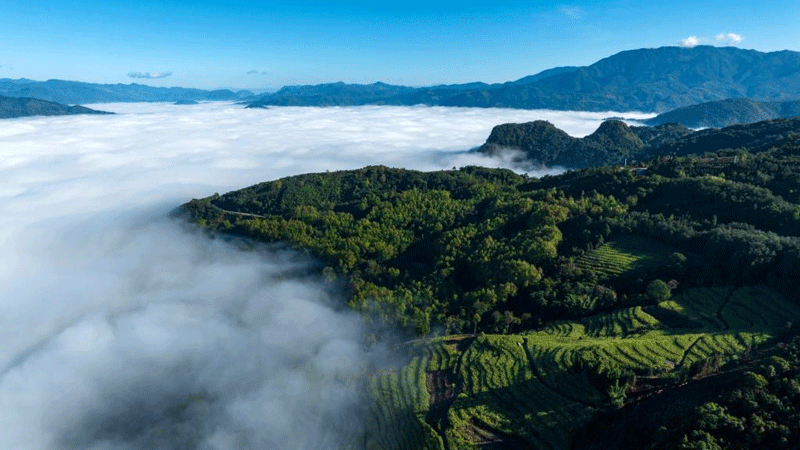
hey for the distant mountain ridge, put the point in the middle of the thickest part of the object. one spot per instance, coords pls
(656, 80)
(76, 92)
(728, 112)
(11, 107)
(614, 142)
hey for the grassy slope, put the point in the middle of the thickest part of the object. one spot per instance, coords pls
(535, 390)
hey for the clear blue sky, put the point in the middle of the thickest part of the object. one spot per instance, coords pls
(210, 44)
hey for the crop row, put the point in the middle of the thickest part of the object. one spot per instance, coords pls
(624, 253)
(760, 308)
(506, 396)
(396, 413)
(607, 261)
(532, 390)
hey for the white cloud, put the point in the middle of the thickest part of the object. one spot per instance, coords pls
(735, 37)
(722, 38)
(728, 38)
(113, 314)
(149, 74)
(689, 42)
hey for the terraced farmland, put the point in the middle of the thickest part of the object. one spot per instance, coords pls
(624, 253)
(537, 389)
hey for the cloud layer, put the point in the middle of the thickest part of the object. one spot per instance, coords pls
(150, 75)
(122, 329)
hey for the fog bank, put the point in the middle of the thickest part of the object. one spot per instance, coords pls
(122, 329)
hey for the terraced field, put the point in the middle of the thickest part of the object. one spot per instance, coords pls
(624, 253)
(536, 390)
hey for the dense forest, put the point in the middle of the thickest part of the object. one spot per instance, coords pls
(646, 307)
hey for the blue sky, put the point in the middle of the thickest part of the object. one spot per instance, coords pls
(261, 45)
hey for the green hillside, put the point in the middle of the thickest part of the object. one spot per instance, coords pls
(537, 389)
(539, 310)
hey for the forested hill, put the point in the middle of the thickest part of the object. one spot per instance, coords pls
(614, 143)
(604, 298)
(728, 112)
(75, 92)
(659, 79)
(23, 107)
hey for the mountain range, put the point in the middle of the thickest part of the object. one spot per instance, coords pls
(76, 92)
(655, 80)
(11, 107)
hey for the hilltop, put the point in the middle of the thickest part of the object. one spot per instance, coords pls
(658, 80)
(542, 144)
(24, 107)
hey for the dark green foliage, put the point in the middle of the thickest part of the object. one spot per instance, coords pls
(459, 251)
(762, 412)
(544, 144)
(418, 248)
(753, 137)
(658, 291)
(615, 143)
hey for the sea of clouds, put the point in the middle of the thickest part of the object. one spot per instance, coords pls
(123, 329)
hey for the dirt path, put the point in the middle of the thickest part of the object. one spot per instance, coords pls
(686, 352)
(443, 386)
(725, 325)
(239, 213)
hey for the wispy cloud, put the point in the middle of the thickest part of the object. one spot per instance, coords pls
(257, 72)
(149, 74)
(573, 12)
(689, 42)
(728, 38)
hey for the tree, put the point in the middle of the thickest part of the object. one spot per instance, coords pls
(658, 291)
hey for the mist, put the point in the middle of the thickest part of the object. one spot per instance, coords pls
(123, 329)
